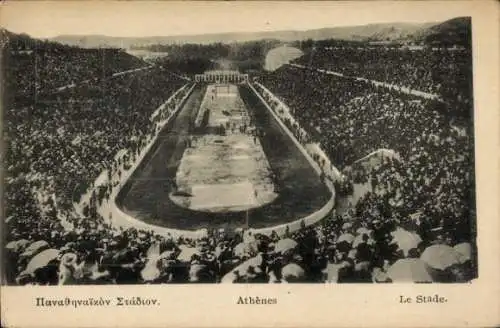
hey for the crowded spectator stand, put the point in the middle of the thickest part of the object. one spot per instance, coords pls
(442, 71)
(115, 180)
(407, 218)
(399, 190)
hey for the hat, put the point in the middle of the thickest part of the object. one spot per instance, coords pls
(69, 258)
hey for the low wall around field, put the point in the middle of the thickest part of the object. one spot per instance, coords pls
(119, 218)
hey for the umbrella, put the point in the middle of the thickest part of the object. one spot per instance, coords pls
(440, 256)
(409, 270)
(346, 225)
(69, 259)
(167, 255)
(41, 260)
(359, 240)
(405, 240)
(285, 245)
(345, 238)
(292, 272)
(35, 248)
(353, 253)
(17, 245)
(465, 251)
(245, 249)
(187, 253)
(364, 230)
(239, 250)
(242, 268)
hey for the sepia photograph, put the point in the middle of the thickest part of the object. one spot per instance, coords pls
(182, 147)
(336, 154)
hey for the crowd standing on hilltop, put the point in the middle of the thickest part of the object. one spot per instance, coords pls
(410, 212)
(59, 142)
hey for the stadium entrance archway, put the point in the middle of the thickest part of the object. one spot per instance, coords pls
(222, 76)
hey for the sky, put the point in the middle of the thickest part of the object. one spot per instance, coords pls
(45, 19)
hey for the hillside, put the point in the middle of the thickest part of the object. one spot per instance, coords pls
(389, 31)
(453, 31)
(23, 41)
(456, 31)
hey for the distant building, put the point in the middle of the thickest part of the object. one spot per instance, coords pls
(222, 76)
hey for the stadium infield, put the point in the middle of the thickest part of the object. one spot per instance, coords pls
(228, 171)
(147, 195)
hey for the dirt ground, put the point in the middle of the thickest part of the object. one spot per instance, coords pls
(227, 172)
